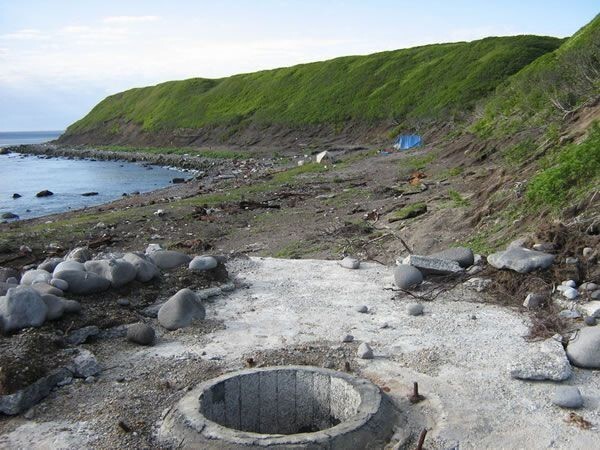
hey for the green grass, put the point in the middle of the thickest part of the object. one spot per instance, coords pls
(569, 76)
(407, 86)
(457, 199)
(409, 211)
(414, 163)
(568, 174)
(212, 154)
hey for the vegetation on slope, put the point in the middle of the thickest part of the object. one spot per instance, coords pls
(418, 84)
(549, 89)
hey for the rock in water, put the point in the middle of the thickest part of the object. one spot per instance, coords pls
(118, 271)
(180, 310)
(141, 333)
(35, 276)
(584, 349)
(364, 351)
(414, 309)
(8, 215)
(521, 260)
(547, 362)
(169, 259)
(461, 255)
(83, 282)
(407, 277)
(350, 263)
(44, 193)
(203, 263)
(146, 270)
(567, 397)
(22, 307)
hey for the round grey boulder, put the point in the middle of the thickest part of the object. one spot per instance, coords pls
(364, 351)
(146, 270)
(79, 254)
(180, 310)
(72, 306)
(83, 282)
(169, 259)
(567, 397)
(59, 284)
(462, 255)
(350, 263)
(414, 309)
(202, 263)
(347, 338)
(118, 271)
(590, 321)
(584, 350)
(141, 333)
(22, 307)
(50, 264)
(44, 288)
(407, 277)
(56, 306)
(362, 309)
(35, 276)
(68, 265)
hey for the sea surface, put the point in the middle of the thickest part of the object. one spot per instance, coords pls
(8, 138)
(68, 179)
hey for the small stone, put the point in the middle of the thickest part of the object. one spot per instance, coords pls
(407, 277)
(85, 365)
(569, 283)
(544, 247)
(590, 321)
(365, 351)
(50, 264)
(350, 263)
(123, 302)
(414, 309)
(567, 397)
(534, 300)
(588, 286)
(79, 254)
(60, 284)
(44, 193)
(362, 309)
(146, 270)
(72, 306)
(595, 295)
(141, 333)
(587, 252)
(169, 259)
(89, 380)
(473, 317)
(15, 195)
(584, 349)
(478, 284)
(570, 293)
(56, 306)
(180, 310)
(81, 335)
(431, 265)
(569, 314)
(571, 260)
(202, 263)
(347, 338)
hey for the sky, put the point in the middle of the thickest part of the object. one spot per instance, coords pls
(59, 58)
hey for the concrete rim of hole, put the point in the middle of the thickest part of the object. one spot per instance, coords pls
(367, 415)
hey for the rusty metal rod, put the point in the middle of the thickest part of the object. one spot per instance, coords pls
(421, 438)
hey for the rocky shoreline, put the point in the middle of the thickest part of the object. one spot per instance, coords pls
(50, 150)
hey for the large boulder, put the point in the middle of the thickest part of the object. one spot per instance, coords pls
(56, 306)
(169, 259)
(45, 288)
(584, 349)
(83, 282)
(35, 276)
(181, 310)
(521, 260)
(462, 255)
(350, 263)
(50, 264)
(118, 271)
(68, 265)
(407, 277)
(146, 270)
(430, 265)
(203, 263)
(79, 254)
(22, 307)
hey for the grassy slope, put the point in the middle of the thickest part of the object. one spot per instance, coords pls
(422, 83)
(570, 76)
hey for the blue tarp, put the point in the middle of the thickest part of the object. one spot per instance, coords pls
(407, 141)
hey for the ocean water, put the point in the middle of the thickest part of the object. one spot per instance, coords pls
(68, 179)
(8, 138)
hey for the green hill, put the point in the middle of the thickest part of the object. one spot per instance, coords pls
(410, 86)
(549, 89)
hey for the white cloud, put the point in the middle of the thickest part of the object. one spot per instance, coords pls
(75, 29)
(130, 19)
(25, 34)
